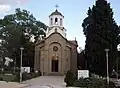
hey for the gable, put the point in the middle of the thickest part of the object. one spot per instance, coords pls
(55, 38)
(56, 33)
(58, 38)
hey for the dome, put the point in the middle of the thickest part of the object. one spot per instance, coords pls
(56, 13)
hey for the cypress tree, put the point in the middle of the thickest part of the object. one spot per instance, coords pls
(101, 32)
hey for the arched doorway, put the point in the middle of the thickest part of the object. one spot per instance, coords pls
(54, 57)
(55, 64)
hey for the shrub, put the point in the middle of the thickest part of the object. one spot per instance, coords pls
(31, 75)
(4, 77)
(17, 78)
(26, 76)
(92, 83)
(36, 74)
(1, 79)
(69, 78)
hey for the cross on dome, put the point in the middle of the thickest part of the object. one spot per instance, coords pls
(57, 6)
(56, 12)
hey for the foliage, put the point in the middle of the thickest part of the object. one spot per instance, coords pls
(31, 75)
(19, 29)
(101, 32)
(118, 62)
(27, 76)
(5, 77)
(69, 78)
(1, 79)
(16, 76)
(92, 83)
(81, 61)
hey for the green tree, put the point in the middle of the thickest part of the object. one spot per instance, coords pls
(17, 30)
(101, 32)
(117, 66)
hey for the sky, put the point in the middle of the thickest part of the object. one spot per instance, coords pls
(74, 12)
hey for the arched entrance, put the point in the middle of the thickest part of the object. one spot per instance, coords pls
(55, 64)
(54, 58)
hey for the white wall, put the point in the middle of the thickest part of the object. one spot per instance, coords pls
(58, 17)
(63, 33)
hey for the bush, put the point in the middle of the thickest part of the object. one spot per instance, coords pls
(1, 79)
(31, 75)
(69, 78)
(26, 76)
(15, 77)
(36, 74)
(92, 83)
(4, 77)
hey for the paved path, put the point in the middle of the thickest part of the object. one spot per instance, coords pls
(46, 82)
(4, 84)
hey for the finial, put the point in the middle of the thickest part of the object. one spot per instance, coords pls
(56, 6)
(75, 38)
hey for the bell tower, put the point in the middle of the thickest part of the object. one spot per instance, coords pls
(56, 23)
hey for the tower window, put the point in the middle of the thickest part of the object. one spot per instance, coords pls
(51, 21)
(60, 21)
(56, 21)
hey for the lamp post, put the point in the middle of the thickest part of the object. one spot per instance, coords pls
(106, 50)
(14, 51)
(118, 48)
(21, 63)
(15, 64)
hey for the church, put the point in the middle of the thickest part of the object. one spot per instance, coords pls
(55, 54)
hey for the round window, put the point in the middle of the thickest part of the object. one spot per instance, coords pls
(55, 48)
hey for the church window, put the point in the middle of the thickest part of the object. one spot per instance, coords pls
(55, 48)
(51, 21)
(56, 21)
(60, 21)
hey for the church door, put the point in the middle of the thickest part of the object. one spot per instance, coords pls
(55, 65)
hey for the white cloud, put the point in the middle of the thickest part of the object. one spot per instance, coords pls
(11, 2)
(6, 5)
(4, 8)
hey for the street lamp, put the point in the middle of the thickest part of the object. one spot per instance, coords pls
(14, 64)
(14, 51)
(106, 50)
(21, 63)
(118, 48)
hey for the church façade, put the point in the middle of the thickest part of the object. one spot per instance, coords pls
(55, 55)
